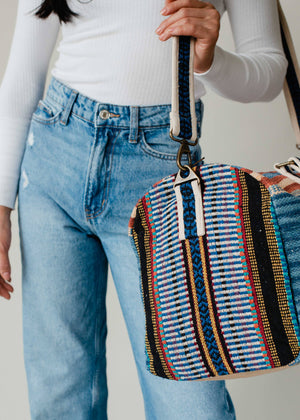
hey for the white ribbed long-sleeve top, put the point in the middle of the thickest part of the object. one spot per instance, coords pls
(111, 53)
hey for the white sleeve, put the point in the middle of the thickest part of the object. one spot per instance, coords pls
(21, 88)
(255, 72)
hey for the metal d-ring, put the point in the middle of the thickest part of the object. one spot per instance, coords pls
(184, 148)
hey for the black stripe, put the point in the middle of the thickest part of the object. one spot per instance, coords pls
(184, 87)
(265, 270)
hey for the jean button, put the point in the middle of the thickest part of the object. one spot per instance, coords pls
(104, 114)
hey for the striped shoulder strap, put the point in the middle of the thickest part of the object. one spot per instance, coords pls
(183, 121)
(291, 85)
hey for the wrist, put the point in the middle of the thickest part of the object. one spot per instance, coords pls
(5, 210)
(201, 66)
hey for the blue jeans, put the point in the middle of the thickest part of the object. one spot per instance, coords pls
(85, 166)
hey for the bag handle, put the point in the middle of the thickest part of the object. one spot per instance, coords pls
(183, 120)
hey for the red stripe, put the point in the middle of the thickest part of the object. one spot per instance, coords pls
(292, 187)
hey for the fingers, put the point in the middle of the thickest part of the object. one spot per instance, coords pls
(180, 17)
(5, 268)
(191, 18)
(186, 27)
(5, 289)
(171, 6)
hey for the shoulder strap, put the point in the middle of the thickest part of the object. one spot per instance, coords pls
(291, 85)
(183, 120)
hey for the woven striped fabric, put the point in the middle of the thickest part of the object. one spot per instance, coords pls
(220, 303)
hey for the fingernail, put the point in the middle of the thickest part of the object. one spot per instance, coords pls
(6, 276)
(163, 11)
(158, 30)
(163, 36)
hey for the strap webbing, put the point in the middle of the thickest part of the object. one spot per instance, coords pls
(183, 120)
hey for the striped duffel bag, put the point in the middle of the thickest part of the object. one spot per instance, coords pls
(218, 248)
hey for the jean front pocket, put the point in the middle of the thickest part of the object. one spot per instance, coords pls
(156, 142)
(47, 111)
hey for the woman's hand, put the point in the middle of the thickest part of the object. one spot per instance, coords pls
(194, 18)
(5, 240)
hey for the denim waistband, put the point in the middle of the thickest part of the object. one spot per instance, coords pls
(98, 113)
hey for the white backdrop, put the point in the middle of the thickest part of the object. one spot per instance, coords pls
(252, 135)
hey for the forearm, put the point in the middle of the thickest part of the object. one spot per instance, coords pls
(245, 77)
(256, 70)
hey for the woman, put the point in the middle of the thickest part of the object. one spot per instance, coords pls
(81, 157)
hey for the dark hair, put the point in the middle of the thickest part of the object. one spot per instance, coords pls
(59, 7)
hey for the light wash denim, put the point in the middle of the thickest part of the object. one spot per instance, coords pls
(85, 166)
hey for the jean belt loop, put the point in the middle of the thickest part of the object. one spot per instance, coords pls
(67, 111)
(134, 124)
